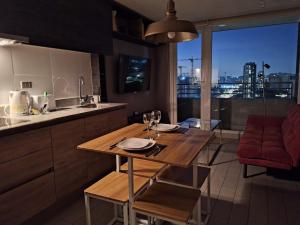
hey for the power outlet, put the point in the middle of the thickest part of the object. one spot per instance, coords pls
(26, 84)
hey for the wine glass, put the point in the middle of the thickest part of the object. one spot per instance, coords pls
(156, 116)
(147, 119)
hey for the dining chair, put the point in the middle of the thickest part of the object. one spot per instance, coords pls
(183, 177)
(113, 188)
(169, 203)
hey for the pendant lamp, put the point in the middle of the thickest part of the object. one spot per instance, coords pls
(170, 29)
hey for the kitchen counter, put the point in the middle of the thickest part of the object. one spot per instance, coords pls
(41, 155)
(15, 124)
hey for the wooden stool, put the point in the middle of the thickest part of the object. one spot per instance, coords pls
(168, 202)
(184, 177)
(113, 188)
(144, 168)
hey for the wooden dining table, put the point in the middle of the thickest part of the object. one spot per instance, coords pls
(181, 149)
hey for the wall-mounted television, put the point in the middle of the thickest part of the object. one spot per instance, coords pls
(134, 74)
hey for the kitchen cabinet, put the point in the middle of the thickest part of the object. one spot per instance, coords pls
(27, 179)
(96, 126)
(70, 165)
(22, 144)
(43, 166)
(25, 201)
(74, 168)
(75, 25)
(21, 170)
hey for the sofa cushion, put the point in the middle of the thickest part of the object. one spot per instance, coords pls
(276, 154)
(248, 150)
(268, 146)
(291, 134)
(272, 141)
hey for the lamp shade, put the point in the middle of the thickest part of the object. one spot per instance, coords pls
(170, 29)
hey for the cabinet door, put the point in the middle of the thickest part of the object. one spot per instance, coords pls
(117, 119)
(96, 126)
(99, 125)
(70, 164)
(25, 201)
(21, 170)
(75, 25)
(22, 144)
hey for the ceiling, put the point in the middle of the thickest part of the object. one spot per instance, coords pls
(199, 10)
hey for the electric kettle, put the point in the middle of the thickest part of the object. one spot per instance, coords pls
(19, 102)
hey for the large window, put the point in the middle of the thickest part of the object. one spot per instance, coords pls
(254, 72)
(188, 79)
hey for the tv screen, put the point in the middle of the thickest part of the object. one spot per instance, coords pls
(134, 74)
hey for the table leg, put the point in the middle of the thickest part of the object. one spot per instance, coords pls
(118, 163)
(197, 211)
(132, 218)
(87, 209)
(207, 149)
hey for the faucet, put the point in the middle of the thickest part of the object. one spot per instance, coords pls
(83, 99)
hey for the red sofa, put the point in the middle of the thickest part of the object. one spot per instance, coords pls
(272, 142)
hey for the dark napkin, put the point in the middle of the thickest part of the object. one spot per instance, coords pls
(155, 150)
(181, 130)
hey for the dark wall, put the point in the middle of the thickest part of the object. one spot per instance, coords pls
(139, 101)
(157, 96)
(83, 25)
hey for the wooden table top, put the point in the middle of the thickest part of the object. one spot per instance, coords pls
(181, 149)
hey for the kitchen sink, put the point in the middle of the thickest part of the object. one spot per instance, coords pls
(88, 106)
(58, 109)
(10, 121)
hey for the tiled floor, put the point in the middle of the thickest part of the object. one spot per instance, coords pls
(259, 200)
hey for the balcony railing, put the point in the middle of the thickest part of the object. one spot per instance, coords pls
(282, 90)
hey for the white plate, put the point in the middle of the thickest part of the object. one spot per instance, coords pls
(163, 127)
(136, 144)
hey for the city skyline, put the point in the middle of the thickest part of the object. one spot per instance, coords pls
(275, 45)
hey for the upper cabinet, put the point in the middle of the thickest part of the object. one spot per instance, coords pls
(76, 25)
(129, 25)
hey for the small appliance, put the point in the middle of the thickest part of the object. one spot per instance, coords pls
(39, 102)
(19, 102)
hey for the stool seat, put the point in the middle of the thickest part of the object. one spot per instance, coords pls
(183, 176)
(144, 168)
(168, 202)
(114, 187)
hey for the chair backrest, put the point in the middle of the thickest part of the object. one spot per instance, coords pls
(291, 134)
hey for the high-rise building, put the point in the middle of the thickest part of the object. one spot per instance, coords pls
(249, 79)
(282, 83)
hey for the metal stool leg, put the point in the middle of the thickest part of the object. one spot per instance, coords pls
(87, 209)
(208, 195)
(125, 214)
(199, 211)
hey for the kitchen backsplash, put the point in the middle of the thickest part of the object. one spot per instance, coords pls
(53, 70)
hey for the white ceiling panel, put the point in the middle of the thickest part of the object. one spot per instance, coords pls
(199, 10)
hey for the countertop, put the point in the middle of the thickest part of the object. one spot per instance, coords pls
(37, 121)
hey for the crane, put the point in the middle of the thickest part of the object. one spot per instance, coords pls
(192, 60)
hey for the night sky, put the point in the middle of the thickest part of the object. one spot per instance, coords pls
(275, 45)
